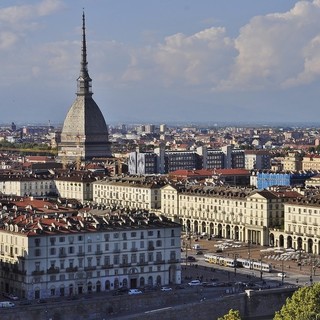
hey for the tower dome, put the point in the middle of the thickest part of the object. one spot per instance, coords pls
(85, 133)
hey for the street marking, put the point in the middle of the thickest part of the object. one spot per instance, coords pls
(156, 310)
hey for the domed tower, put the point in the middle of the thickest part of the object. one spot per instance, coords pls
(85, 133)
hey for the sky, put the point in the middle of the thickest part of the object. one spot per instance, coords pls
(162, 61)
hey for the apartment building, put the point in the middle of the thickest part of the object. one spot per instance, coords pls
(51, 256)
(77, 185)
(301, 225)
(233, 213)
(128, 193)
(311, 162)
(26, 184)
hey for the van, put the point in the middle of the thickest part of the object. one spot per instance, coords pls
(196, 246)
(6, 304)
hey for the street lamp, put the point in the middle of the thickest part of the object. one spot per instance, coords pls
(261, 266)
(235, 263)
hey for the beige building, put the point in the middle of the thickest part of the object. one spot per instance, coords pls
(292, 162)
(239, 214)
(25, 185)
(128, 194)
(302, 226)
(52, 257)
(75, 186)
(311, 162)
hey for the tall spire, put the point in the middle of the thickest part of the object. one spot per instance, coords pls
(84, 80)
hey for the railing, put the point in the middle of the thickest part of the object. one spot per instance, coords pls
(107, 266)
(173, 261)
(53, 270)
(80, 254)
(142, 263)
(159, 262)
(90, 268)
(72, 269)
(37, 273)
(125, 265)
(150, 248)
(134, 249)
(98, 252)
(116, 251)
(62, 254)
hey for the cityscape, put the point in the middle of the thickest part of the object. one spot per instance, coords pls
(149, 217)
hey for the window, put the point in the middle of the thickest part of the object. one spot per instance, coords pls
(150, 256)
(133, 234)
(124, 246)
(141, 257)
(150, 233)
(116, 259)
(61, 239)
(52, 241)
(71, 249)
(116, 235)
(124, 236)
(172, 242)
(37, 242)
(158, 243)
(80, 238)
(141, 244)
(106, 247)
(37, 252)
(52, 251)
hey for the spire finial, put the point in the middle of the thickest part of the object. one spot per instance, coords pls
(84, 80)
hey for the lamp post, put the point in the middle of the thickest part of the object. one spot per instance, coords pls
(282, 272)
(235, 264)
(261, 271)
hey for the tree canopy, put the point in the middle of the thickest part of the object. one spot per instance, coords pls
(231, 315)
(303, 305)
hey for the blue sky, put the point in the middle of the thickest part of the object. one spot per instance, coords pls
(163, 61)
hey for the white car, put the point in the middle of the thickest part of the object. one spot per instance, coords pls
(282, 275)
(166, 289)
(194, 283)
(134, 291)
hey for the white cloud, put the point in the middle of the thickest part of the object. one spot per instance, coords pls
(272, 51)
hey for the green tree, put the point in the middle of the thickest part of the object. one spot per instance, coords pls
(303, 305)
(231, 315)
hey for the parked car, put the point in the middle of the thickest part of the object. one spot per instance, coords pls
(6, 304)
(166, 289)
(120, 291)
(13, 297)
(194, 283)
(134, 291)
(199, 253)
(191, 259)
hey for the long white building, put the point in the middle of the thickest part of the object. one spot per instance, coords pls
(48, 256)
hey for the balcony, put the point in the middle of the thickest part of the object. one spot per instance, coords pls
(98, 252)
(125, 265)
(159, 262)
(134, 249)
(142, 263)
(150, 248)
(116, 251)
(37, 273)
(62, 254)
(174, 261)
(107, 266)
(90, 268)
(80, 254)
(53, 270)
(72, 269)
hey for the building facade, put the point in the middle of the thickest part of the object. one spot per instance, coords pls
(133, 193)
(233, 213)
(50, 256)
